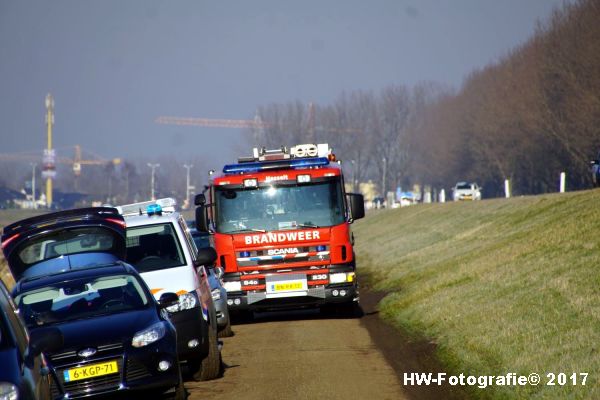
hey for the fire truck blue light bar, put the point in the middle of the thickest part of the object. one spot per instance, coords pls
(279, 164)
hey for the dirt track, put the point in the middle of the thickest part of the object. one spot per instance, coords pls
(303, 355)
(307, 357)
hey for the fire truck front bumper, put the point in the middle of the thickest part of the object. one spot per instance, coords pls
(313, 297)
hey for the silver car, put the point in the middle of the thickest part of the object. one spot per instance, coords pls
(219, 294)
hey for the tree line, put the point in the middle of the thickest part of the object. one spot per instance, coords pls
(527, 117)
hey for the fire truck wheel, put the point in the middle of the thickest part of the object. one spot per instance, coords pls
(209, 367)
(242, 317)
(344, 310)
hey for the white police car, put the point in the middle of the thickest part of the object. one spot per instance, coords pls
(160, 247)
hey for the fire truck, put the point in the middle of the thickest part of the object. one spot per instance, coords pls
(281, 224)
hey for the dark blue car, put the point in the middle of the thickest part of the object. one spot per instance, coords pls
(24, 373)
(70, 276)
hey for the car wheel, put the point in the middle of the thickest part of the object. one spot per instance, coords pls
(180, 393)
(210, 366)
(176, 393)
(226, 331)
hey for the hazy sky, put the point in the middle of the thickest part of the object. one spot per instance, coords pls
(114, 66)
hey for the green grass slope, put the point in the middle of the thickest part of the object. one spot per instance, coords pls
(7, 217)
(500, 285)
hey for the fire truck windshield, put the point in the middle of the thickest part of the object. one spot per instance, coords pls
(279, 207)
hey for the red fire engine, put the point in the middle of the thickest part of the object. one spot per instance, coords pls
(281, 224)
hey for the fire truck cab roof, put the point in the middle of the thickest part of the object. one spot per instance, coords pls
(297, 157)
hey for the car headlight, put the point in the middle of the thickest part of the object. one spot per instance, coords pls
(216, 294)
(186, 301)
(341, 277)
(148, 335)
(8, 391)
(233, 286)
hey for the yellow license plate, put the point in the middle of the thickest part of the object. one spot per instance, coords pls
(91, 371)
(288, 286)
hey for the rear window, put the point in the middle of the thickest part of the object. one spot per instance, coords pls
(66, 242)
(153, 247)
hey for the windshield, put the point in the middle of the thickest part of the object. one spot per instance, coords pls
(153, 247)
(81, 298)
(279, 207)
(463, 186)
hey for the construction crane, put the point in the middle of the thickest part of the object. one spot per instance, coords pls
(255, 124)
(76, 162)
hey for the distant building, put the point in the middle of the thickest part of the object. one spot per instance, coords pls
(9, 197)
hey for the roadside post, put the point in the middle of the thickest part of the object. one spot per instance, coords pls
(507, 188)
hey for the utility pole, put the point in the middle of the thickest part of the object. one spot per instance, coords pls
(384, 160)
(153, 166)
(353, 162)
(49, 169)
(33, 165)
(188, 188)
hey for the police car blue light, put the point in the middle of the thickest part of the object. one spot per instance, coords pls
(154, 209)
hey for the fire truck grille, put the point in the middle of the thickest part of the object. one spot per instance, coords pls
(315, 256)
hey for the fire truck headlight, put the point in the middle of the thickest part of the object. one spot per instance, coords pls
(338, 277)
(233, 286)
(342, 277)
(250, 183)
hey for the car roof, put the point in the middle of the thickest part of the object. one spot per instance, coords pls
(95, 271)
(139, 220)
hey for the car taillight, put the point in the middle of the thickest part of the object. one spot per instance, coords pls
(10, 239)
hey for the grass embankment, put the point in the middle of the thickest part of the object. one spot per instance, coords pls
(7, 217)
(499, 285)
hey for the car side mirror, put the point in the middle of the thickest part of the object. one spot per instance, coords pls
(206, 256)
(168, 299)
(43, 340)
(357, 205)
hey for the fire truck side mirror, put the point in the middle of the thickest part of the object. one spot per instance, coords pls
(206, 256)
(201, 219)
(200, 199)
(357, 206)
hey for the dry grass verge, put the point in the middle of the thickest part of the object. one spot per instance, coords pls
(500, 285)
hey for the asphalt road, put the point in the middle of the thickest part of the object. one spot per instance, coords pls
(301, 355)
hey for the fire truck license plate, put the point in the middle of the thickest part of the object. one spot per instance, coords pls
(286, 285)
